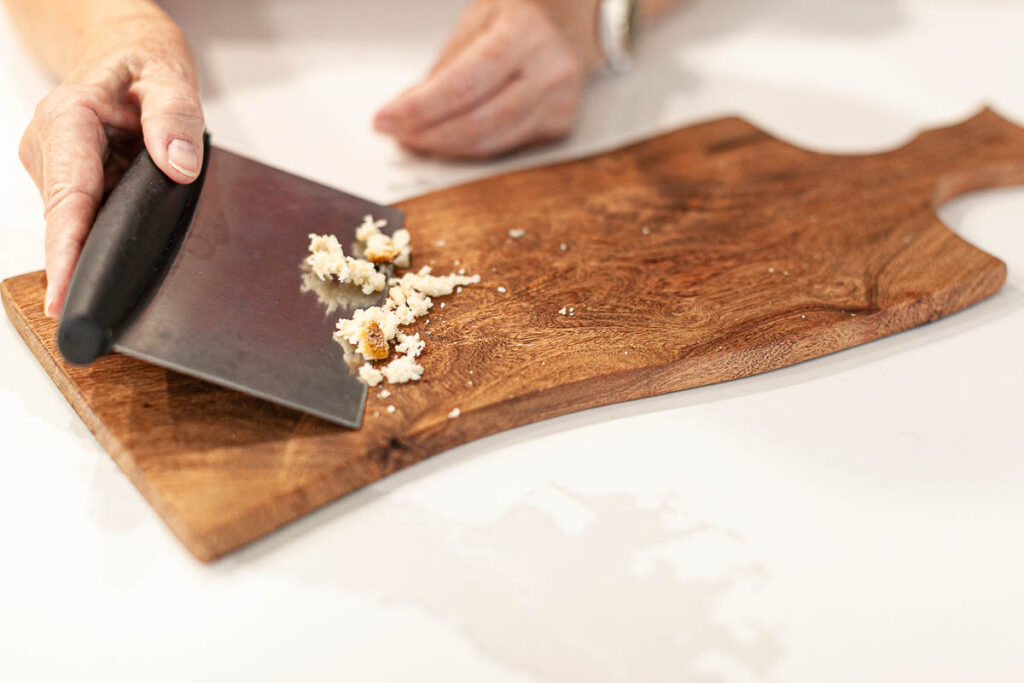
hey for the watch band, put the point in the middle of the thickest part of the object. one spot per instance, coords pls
(616, 32)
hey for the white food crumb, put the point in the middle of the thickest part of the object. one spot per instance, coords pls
(771, 270)
(458, 290)
(399, 247)
(502, 290)
(327, 260)
(563, 246)
(803, 317)
(440, 243)
(458, 262)
(391, 409)
(454, 413)
(368, 228)
(409, 297)
(371, 375)
(384, 393)
(645, 230)
(562, 310)
(442, 304)
(516, 233)
(403, 369)
(380, 248)
(411, 345)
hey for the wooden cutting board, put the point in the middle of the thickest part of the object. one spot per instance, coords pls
(707, 254)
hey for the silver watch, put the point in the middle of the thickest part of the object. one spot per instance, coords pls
(617, 28)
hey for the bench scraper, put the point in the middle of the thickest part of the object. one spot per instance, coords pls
(206, 279)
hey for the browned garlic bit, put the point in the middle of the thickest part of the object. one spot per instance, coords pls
(372, 343)
(371, 331)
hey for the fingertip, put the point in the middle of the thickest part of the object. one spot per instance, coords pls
(60, 267)
(385, 122)
(54, 301)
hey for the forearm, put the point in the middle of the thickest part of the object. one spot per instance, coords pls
(62, 33)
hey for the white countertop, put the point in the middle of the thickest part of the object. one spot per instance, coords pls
(854, 518)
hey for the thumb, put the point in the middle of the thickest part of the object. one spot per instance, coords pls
(172, 126)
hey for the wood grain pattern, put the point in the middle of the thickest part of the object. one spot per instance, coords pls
(756, 255)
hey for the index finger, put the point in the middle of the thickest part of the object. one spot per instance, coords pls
(484, 67)
(70, 169)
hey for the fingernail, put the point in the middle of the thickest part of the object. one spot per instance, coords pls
(182, 157)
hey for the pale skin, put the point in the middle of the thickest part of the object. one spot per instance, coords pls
(512, 75)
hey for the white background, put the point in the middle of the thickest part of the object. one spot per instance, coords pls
(854, 518)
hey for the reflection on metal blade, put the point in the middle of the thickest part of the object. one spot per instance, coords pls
(235, 308)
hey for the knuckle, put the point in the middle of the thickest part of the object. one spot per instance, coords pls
(65, 101)
(513, 25)
(497, 48)
(26, 154)
(174, 109)
(527, 14)
(50, 106)
(62, 196)
(171, 99)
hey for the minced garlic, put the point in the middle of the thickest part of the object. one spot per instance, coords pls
(327, 260)
(368, 228)
(370, 331)
(403, 369)
(372, 343)
(380, 249)
(370, 375)
(410, 344)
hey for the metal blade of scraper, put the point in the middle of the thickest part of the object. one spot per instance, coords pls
(237, 308)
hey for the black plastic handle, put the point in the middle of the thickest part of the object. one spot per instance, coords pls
(134, 235)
